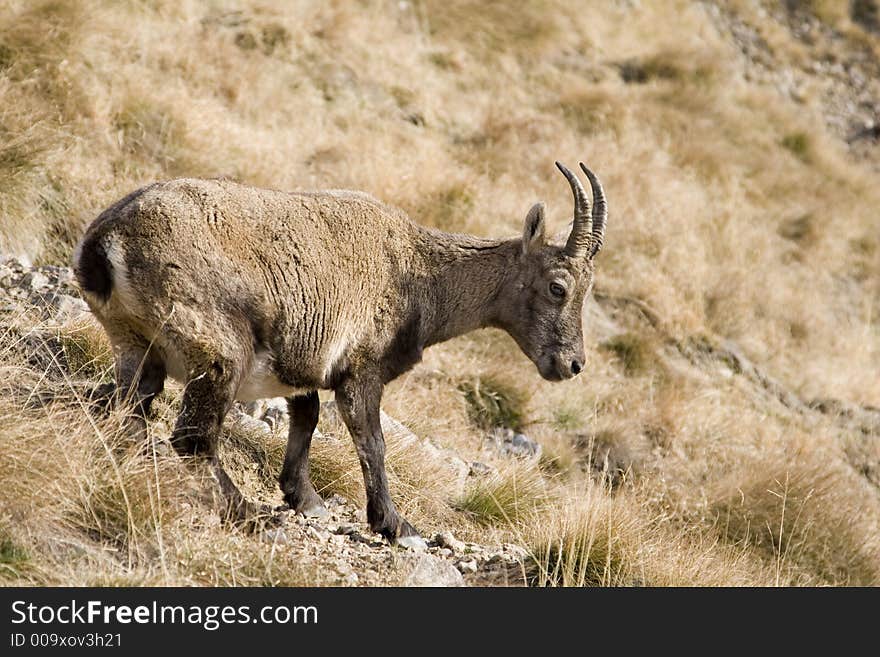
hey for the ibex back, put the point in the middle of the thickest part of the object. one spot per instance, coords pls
(244, 293)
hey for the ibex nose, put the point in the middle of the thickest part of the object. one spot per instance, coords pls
(576, 367)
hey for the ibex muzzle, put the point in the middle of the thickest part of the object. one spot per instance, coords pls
(243, 293)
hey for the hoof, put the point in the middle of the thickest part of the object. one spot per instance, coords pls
(307, 504)
(251, 517)
(415, 543)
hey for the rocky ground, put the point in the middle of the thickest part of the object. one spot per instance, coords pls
(841, 75)
(342, 542)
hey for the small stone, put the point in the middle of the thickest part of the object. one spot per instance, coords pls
(68, 308)
(275, 413)
(517, 552)
(479, 469)
(414, 543)
(422, 569)
(19, 263)
(34, 280)
(511, 443)
(522, 445)
(247, 423)
(469, 566)
(314, 533)
(252, 408)
(336, 500)
(350, 579)
(393, 428)
(276, 536)
(447, 540)
(65, 276)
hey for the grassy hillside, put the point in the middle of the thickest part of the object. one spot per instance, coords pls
(725, 431)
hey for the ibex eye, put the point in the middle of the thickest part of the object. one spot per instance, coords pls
(557, 290)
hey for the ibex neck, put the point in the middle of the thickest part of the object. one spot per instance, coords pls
(467, 277)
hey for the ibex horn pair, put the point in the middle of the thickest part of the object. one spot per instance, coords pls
(588, 230)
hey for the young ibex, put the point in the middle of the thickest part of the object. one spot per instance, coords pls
(245, 293)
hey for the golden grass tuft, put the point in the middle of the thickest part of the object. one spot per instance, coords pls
(505, 497)
(86, 350)
(790, 511)
(493, 402)
(609, 540)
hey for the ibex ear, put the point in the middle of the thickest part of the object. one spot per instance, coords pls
(533, 230)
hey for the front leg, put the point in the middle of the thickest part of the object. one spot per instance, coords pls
(299, 493)
(358, 400)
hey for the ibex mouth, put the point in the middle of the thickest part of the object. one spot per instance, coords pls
(549, 368)
(556, 367)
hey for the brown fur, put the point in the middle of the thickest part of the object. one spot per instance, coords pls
(242, 291)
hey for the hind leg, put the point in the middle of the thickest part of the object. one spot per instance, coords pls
(140, 376)
(207, 398)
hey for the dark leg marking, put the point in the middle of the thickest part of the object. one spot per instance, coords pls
(140, 376)
(299, 493)
(206, 400)
(359, 406)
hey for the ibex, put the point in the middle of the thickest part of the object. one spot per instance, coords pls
(245, 293)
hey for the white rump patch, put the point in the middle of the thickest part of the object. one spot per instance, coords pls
(262, 383)
(115, 253)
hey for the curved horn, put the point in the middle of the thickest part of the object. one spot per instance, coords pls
(600, 210)
(579, 240)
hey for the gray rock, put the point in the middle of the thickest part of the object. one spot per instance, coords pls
(522, 445)
(247, 423)
(67, 308)
(458, 470)
(393, 428)
(275, 536)
(5, 276)
(447, 540)
(510, 443)
(413, 543)
(347, 529)
(422, 569)
(467, 566)
(479, 469)
(34, 280)
(275, 414)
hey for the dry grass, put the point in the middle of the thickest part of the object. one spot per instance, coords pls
(735, 214)
(605, 540)
(506, 497)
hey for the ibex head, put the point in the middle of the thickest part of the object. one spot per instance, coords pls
(544, 305)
